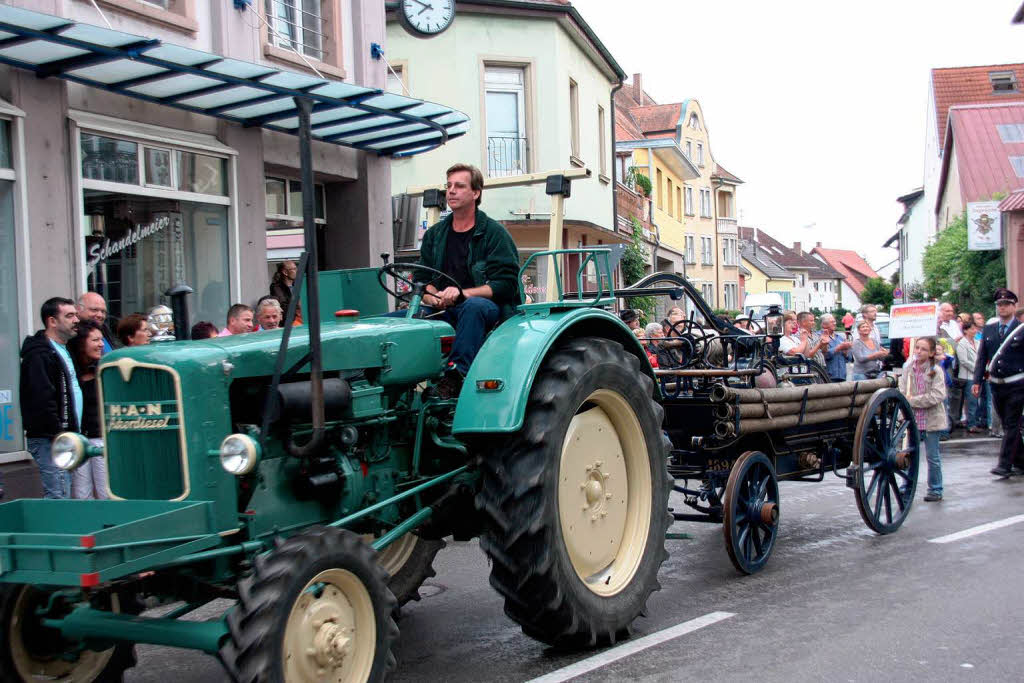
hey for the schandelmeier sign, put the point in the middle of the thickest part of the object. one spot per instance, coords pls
(101, 252)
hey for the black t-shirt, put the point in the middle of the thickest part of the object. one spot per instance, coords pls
(456, 258)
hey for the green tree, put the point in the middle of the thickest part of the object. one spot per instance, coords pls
(964, 278)
(634, 266)
(877, 291)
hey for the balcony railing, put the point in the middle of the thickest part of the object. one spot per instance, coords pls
(506, 156)
(727, 225)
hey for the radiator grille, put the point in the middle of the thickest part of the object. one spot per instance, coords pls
(143, 423)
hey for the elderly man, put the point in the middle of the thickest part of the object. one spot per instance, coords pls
(837, 353)
(239, 321)
(269, 314)
(92, 306)
(949, 326)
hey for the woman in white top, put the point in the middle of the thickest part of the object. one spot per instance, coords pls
(967, 356)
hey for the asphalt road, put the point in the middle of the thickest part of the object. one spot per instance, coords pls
(836, 602)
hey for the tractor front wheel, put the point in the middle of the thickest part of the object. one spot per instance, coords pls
(576, 502)
(30, 651)
(316, 608)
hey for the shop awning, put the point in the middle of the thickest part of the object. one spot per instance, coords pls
(253, 95)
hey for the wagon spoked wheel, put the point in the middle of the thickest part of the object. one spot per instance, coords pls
(751, 522)
(886, 455)
(316, 608)
(30, 651)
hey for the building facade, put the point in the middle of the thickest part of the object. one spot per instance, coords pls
(538, 83)
(104, 192)
(670, 145)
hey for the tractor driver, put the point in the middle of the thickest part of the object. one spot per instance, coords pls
(479, 254)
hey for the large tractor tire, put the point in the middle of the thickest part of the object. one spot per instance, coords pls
(576, 502)
(30, 651)
(316, 608)
(409, 561)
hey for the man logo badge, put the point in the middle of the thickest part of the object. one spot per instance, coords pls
(136, 416)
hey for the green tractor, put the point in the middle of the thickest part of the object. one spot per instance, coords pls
(311, 474)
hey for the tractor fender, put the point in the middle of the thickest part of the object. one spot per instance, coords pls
(513, 354)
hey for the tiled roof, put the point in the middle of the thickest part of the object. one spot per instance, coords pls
(854, 269)
(982, 156)
(725, 175)
(969, 85)
(658, 118)
(789, 257)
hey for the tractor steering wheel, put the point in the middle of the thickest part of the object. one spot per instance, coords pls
(693, 341)
(415, 287)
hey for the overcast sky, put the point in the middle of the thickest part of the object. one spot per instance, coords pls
(818, 106)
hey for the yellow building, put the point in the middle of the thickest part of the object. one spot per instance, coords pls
(669, 144)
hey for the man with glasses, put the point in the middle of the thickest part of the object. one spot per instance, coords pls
(1001, 357)
(92, 306)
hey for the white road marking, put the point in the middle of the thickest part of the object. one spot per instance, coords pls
(976, 439)
(980, 529)
(629, 648)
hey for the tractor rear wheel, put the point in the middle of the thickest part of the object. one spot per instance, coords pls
(30, 651)
(317, 607)
(576, 502)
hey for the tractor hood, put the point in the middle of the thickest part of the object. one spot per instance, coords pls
(405, 349)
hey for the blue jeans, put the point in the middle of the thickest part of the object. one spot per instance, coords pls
(859, 377)
(471, 319)
(930, 441)
(56, 482)
(974, 418)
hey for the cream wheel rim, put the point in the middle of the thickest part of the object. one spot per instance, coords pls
(605, 493)
(394, 556)
(331, 633)
(87, 667)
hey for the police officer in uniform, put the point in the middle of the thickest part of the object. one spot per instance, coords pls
(1001, 358)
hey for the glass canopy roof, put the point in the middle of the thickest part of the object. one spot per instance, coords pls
(202, 82)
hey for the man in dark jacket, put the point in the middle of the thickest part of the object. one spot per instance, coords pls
(1001, 358)
(51, 400)
(479, 254)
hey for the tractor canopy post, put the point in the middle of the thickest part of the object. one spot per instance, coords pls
(304, 107)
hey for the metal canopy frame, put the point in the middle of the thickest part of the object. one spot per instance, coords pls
(246, 93)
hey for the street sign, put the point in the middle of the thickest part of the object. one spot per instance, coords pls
(984, 231)
(897, 293)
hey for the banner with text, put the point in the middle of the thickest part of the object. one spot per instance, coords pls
(913, 320)
(984, 232)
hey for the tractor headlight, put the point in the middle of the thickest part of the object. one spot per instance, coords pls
(69, 450)
(239, 454)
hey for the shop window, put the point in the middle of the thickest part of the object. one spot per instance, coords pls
(5, 143)
(137, 247)
(10, 417)
(158, 167)
(109, 159)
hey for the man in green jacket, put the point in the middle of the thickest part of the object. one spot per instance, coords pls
(479, 254)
